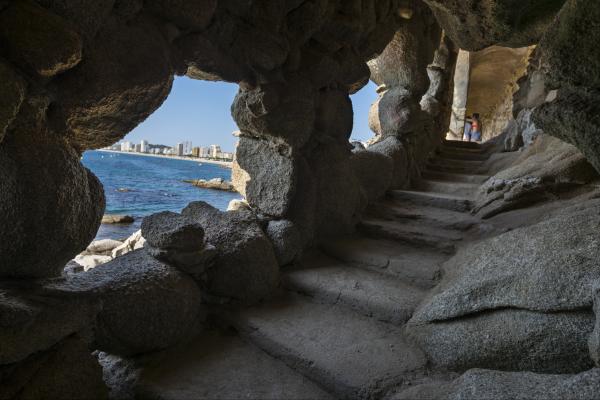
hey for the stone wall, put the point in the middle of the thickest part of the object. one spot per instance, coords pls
(80, 75)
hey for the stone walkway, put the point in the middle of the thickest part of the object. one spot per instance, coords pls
(336, 330)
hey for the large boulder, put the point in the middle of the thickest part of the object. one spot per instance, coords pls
(479, 384)
(494, 310)
(98, 104)
(86, 15)
(146, 305)
(47, 217)
(286, 241)
(32, 321)
(392, 147)
(245, 268)
(12, 87)
(39, 40)
(277, 112)
(67, 370)
(374, 171)
(271, 167)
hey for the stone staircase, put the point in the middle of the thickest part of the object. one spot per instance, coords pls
(336, 329)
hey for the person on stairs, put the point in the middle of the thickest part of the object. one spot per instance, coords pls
(467, 131)
(476, 129)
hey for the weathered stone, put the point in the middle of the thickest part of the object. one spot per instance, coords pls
(98, 104)
(133, 242)
(205, 60)
(245, 268)
(90, 261)
(12, 87)
(514, 270)
(514, 23)
(273, 175)
(147, 305)
(340, 199)
(214, 183)
(486, 384)
(169, 230)
(102, 247)
(86, 15)
(48, 218)
(507, 339)
(195, 14)
(594, 340)
(334, 115)
(513, 138)
(403, 63)
(40, 40)
(274, 111)
(286, 241)
(65, 371)
(398, 112)
(374, 171)
(117, 219)
(31, 321)
(393, 147)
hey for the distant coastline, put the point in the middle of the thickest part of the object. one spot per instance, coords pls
(226, 164)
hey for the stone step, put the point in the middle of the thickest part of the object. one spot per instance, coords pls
(455, 163)
(415, 266)
(453, 168)
(351, 355)
(439, 200)
(221, 366)
(432, 216)
(327, 280)
(462, 144)
(462, 189)
(452, 177)
(416, 234)
(459, 154)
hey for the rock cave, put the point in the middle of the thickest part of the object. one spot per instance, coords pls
(413, 266)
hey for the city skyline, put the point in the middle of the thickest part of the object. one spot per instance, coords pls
(200, 111)
(181, 149)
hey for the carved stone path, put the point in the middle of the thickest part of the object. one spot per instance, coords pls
(336, 329)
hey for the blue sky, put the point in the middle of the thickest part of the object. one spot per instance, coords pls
(200, 111)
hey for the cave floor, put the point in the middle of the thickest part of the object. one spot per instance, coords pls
(335, 331)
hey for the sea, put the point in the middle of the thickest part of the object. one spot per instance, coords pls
(140, 185)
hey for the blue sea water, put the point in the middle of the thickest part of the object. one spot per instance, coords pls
(140, 185)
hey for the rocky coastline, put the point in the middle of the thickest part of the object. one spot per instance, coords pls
(215, 183)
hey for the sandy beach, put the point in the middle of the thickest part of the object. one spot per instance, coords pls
(225, 164)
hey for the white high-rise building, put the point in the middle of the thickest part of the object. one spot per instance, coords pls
(179, 149)
(215, 150)
(187, 148)
(125, 146)
(144, 146)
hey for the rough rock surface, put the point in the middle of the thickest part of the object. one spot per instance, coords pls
(374, 171)
(503, 281)
(487, 384)
(48, 218)
(117, 219)
(13, 89)
(514, 23)
(245, 268)
(65, 371)
(146, 305)
(43, 41)
(35, 321)
(594, 340)
(286, 241)
(273, 173)
(215, 183)
(393, 148)
(167, 230)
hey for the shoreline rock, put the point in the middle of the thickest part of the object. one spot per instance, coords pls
(117, 219)
(215, 183)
